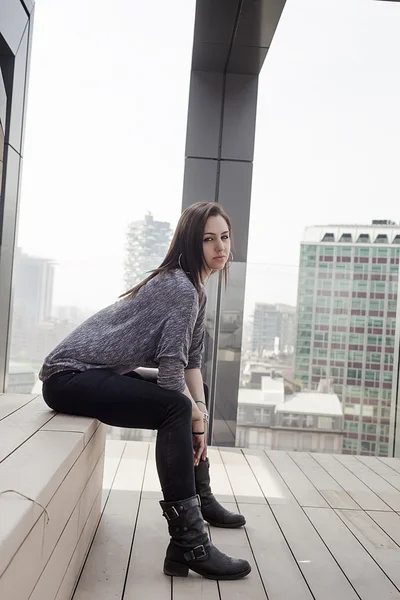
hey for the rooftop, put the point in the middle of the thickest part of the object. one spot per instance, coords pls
(271, 394)
(312, 403)
(350, 234)
(318, 527)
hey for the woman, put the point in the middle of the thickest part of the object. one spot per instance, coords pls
(159, 323)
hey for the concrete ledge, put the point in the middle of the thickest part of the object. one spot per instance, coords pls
(57, 463)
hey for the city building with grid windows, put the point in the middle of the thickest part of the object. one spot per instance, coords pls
(346, 322)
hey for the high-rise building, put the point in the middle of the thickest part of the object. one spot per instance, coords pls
(346, 322)
(33, 298)
(147, 244)
(273, 328)
(33, 286)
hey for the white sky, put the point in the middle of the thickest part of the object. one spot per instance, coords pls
(106, 129)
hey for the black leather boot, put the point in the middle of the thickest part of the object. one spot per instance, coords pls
(212, 511)
(190, 547)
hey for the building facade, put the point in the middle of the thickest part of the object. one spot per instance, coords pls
(273, 328)
(270, 419)
(147, 245)
(346, 325)
(33, 299)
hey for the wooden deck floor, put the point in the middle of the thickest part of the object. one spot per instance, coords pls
(318, 526)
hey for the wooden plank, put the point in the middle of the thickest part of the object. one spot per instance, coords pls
(302, 489)
(151, 484)
(113, 455)
(234, 542)
(103, 576)
(220, 483)
(393, 463)
(382, 469)
(389, 522)
(333, 493)
(274, 488)
(279, 571)
(360, 493)
(382, 488)
(10, 403)
(85, 425)
(243, 482)
(324, 577)
(45, 534)
(56, 568)
(194, 587)
(362, 571)
(52, 577)
(145, 576)
(376, 542)
(19, 426)
(75, 566)
(36, 469)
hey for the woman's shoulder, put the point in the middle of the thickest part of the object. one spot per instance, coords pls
(174, 283)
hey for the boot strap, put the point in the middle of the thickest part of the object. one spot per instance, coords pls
(196, 553)
(175, 511)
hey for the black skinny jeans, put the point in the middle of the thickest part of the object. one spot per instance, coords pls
(131, 401)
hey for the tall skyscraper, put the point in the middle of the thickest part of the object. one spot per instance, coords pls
(33, 285)
(147, 244)
(346, 323)
(273, 328)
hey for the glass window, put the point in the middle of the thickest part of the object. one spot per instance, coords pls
(356, 356)
(354, 391)
(378, 287)
(376, 323)
(380, 252)
(372, 375)
(354, 373)
(356, 338)
(357, 321)
(360, 286)
(377, 305)
(373, 357)
(88, 229)
(359, 304)
(364, 252)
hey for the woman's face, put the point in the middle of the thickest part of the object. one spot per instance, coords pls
(216, 244)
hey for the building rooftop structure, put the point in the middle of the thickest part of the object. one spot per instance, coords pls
(312, 403)
(378, 232)
(271, 394)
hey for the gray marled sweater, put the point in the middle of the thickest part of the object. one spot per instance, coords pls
(161, 326)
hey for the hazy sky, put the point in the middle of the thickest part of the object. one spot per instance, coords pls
(106, 130)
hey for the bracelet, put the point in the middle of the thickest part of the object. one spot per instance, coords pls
(197, 432)
(201, 402)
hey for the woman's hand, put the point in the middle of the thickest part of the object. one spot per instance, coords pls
(203, 408)
(198, 426)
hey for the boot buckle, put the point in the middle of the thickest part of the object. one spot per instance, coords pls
(196, 553)
(171, 513)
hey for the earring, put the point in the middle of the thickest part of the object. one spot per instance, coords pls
(179, 262)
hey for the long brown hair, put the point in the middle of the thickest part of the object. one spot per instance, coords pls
(187, 244)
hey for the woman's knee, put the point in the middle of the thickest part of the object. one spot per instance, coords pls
(181, 405)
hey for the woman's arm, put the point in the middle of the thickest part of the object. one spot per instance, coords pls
(195, 386)
(194, 382)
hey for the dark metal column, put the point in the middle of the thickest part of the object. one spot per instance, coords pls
(231, 40)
